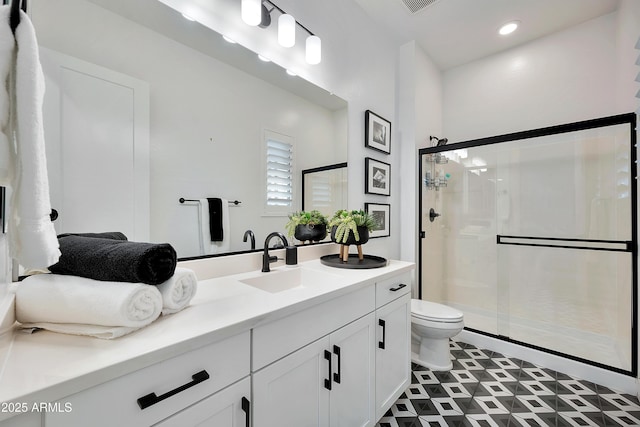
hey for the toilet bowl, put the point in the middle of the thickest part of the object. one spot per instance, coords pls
(432, 325)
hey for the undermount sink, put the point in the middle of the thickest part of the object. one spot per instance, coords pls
(284, 280)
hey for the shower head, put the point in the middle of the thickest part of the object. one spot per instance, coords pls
(435, 141)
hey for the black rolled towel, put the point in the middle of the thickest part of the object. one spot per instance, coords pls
(115, 260)
(113, 235)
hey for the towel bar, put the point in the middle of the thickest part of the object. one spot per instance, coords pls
(231, 202)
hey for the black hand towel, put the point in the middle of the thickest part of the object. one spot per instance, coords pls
(215, 219)
(115, 260)
(113, 235)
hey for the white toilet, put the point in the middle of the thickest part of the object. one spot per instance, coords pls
(432, 325)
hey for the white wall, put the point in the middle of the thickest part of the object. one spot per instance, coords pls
(207, 120)
(420, 115)
(565, 77)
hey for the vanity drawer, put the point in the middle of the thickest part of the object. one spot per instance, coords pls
(178, 383)
(389, 289)
(281, 337)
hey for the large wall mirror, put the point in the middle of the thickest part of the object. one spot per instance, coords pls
(145, 107)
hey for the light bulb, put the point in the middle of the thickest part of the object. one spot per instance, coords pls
(252, 12)
(286, 30)
(508, 28)
(313, 51)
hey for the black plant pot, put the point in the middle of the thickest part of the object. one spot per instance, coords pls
(310, 232)
(351, 240)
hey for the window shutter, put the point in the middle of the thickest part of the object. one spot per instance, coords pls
(279, 179)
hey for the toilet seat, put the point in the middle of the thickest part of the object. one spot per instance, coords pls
(434, 312)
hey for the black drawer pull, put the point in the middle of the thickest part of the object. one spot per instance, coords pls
(246, 407)
(327, 381)
(151, 398)
(397, 288)
(337, 375)
(383, 324)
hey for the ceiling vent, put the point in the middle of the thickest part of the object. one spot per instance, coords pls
(416, 6)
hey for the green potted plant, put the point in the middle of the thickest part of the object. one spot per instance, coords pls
(351, 228)
(307, 226)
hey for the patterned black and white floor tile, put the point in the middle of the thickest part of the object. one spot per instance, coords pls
(487, 389)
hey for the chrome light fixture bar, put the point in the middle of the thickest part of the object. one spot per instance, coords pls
(256, 13)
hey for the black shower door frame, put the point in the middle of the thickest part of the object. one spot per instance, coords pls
(630, 246)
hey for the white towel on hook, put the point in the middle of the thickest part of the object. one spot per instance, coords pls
(208, 247)
(33, 237)
(7, 46)
(81, 306)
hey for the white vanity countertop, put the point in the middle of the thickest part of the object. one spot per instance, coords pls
(47, 366)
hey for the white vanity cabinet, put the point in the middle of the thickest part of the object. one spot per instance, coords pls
(327, 383)
(154, 393)
(338, 358)
(363, 341)
(393, 341)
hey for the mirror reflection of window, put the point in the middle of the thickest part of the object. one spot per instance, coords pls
(279, 173)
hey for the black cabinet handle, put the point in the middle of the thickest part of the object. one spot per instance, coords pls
(327, 381)
(151, 398)
(246, 407)
(381, 343)
(397, 288)
(336, 376)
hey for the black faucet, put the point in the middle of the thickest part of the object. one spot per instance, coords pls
(252, 236)
(266, 259)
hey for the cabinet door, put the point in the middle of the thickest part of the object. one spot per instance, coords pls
(227, 408)
(351, 398)
(292, 391)
(393, 352)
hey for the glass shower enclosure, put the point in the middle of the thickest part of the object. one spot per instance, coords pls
(533, 236)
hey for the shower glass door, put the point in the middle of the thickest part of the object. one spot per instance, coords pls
(535, 238)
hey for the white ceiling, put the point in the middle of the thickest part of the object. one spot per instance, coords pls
(453, 32)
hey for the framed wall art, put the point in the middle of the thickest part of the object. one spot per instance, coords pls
(377, 132)
(380, 213)
(377, 177)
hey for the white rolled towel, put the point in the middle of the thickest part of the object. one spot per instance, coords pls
(81, 306)
(178, 291)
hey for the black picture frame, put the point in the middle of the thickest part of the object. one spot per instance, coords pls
(377, 177)
(377, 132)
(381, 212)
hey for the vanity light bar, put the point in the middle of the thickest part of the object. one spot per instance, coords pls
(253, 12)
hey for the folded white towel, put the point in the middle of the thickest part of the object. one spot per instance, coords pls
(104, 332)
(178, 291)
(47, 300)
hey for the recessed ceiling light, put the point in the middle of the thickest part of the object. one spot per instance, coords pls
(508, 28)
(232, 41)
(263, 58)
(291, 73)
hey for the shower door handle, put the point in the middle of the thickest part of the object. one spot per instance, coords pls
(433, 215)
